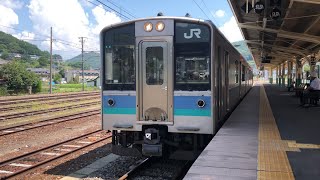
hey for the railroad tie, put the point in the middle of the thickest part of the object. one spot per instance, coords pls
(75, 146)
(7, 131)
(50, 154)
(83, 142)
(60, 149)
(20, 165)
(5, 172)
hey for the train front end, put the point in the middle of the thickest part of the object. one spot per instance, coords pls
(156, 85)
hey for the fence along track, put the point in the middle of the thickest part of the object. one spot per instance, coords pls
(47, 122)
(32, 113)
(32, 99)
(30, 161)
(50, 103)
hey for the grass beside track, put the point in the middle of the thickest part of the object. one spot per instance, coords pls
(33, 104)
(43, 101)
(61, 88)
(44, 106)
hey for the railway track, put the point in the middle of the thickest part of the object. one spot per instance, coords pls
(47, 122)
(32, 113)
(30, 161)
(50, 103)
(32, 99)
(158, 168)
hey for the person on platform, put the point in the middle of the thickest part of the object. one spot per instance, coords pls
(313, 91)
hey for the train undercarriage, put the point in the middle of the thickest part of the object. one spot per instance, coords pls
(155, 140)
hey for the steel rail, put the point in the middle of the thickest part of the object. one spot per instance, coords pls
(50, 103)
(139, 166)
(147, 164)
(47, 122)
(25, 163)
(32, 99)
(31, 113)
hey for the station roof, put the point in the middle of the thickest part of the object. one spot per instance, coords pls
(295, 33)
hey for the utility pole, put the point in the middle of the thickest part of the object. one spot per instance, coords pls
(51, 60)
(82, 41)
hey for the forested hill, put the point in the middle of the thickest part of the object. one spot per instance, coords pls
(10, 44)
(91, 60)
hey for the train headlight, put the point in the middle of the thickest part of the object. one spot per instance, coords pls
(201, 103)
(160, 26)
(148, 26)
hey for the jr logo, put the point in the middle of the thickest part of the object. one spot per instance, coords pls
(196, 32)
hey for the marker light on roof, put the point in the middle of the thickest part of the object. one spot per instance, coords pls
(160, 26)
(148, 26)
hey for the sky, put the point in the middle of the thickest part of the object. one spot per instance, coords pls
(30, 20)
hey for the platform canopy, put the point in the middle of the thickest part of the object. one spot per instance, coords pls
(279, 30)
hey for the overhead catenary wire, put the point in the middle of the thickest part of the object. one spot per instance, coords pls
(123, 9)
(205, 5)
(201, 9)
(112, 9)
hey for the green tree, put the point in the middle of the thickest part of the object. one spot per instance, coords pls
(5, 54)
(38, 87)
(18, 78)
(43, 61)
(3, 47)
(78, 65)
(62, 72)
(57, 78)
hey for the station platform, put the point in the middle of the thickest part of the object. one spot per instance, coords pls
(267, 137)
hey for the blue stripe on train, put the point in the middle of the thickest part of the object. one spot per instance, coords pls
(183, 105)
(190, 102)
(121, 101)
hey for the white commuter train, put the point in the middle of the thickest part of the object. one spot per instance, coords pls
(167, 84)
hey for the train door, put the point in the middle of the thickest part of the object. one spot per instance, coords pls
(153, 86)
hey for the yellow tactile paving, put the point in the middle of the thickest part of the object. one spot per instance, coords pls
(273, 162)
(274, 175)
(303, 146)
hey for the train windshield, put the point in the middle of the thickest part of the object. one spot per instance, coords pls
(119, 61)
(192, 57)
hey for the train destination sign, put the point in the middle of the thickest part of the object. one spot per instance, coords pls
(189, 33)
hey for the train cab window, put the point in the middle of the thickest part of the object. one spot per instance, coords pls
(154, 65)
(119, 62)
(192, 57)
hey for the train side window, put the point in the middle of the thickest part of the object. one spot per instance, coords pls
(243, 73)
(154, 65)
